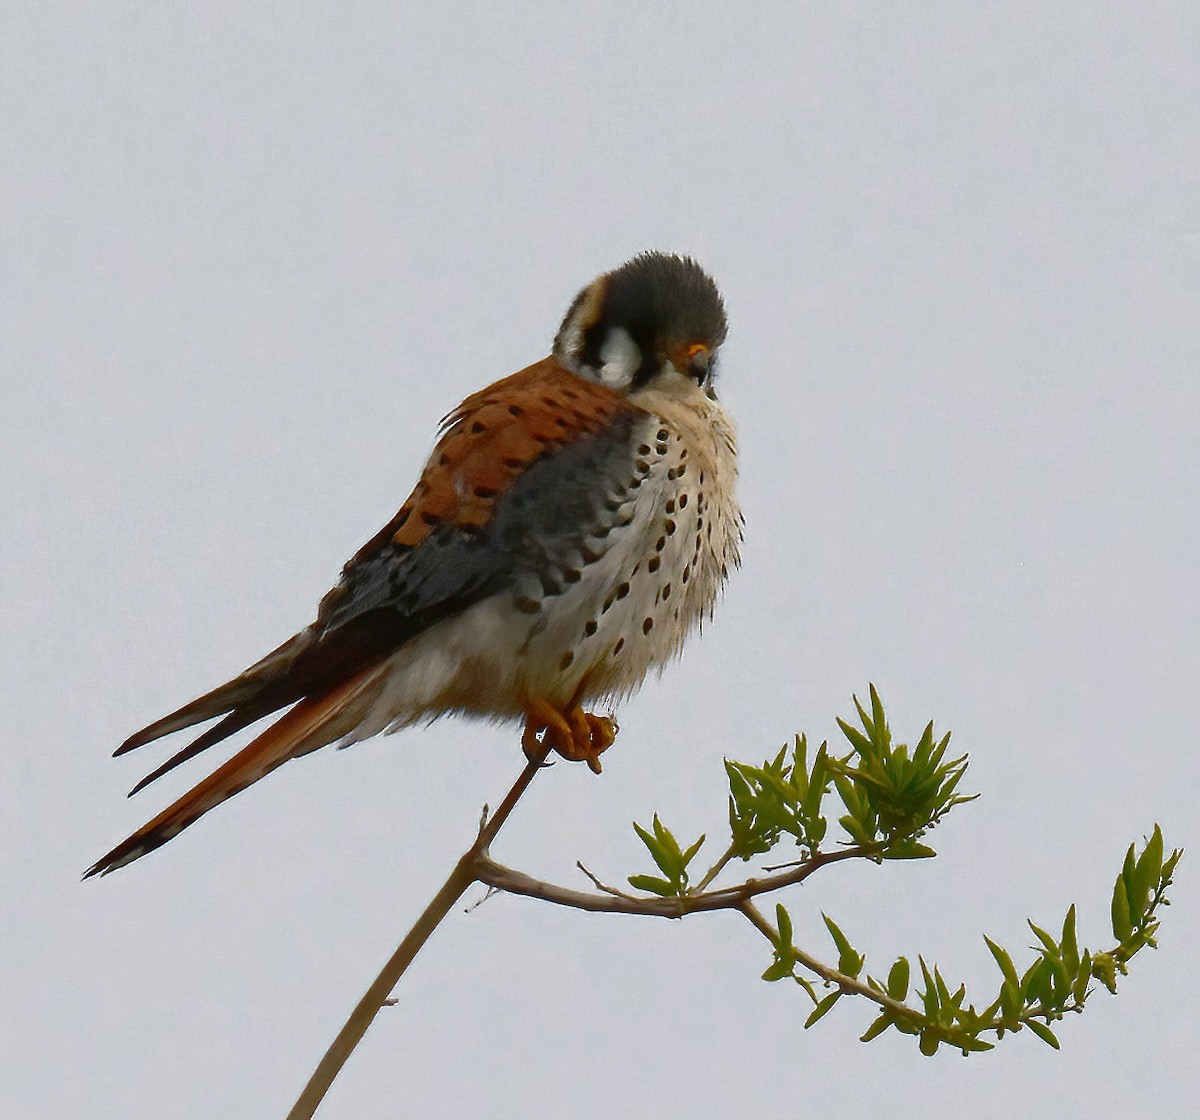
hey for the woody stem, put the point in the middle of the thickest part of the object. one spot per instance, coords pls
(464, 874)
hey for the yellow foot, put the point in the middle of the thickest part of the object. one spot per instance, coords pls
(576, 735)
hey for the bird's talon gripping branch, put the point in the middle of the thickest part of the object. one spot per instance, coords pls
(575, 735)
(602, 732)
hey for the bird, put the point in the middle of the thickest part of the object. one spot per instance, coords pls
(574, 524)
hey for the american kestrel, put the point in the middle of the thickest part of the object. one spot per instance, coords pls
(573, 525)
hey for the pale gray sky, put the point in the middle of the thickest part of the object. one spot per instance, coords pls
(251, 254)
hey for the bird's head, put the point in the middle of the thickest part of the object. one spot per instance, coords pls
(656, 314)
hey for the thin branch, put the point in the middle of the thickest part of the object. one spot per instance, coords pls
(495, 874)
(840, 980)
(604, 886)
(717, 868)
(376, 997)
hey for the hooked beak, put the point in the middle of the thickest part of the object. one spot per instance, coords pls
(698, 362)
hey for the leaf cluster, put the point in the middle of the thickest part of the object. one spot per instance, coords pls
(672, 861)
(1058, 981)
(888, 796)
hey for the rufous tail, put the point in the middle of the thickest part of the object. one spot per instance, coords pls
(312, 723)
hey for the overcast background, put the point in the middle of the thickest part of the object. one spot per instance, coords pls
(253, 253)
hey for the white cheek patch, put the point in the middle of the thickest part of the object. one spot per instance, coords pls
(620, 359)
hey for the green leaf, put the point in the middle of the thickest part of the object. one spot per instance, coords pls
(1049, 945)
(655, 848)
(944, 997)
(652, 884)
(897, 981)
(909, 849)
(1083, 976)
(1122, 925)
(1011, 1002)
(822, 1009)
(878, 719)
(1043, 1032)
(1069, 945)
(1035, 984)
(669, 844)
(929, 994)
(850, 961)
(1146, 875)
(876, 1028)
(690, 854)
(1007, 968)
(784, 921)
(929, 1042)
(855, 737)
(779, 970)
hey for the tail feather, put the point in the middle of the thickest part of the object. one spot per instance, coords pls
(263, 688)
(230, 725)
(312, 723)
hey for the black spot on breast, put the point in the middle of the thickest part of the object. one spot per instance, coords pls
(478, 426)
(683, 500)
(669, 526)
(515, 410)
(644, 449)
(485, 492)
(589, 627)
(687, 573)
(526, 605)
(653, 564)
(622, 591)
(551, 586)
(572, 575)
(567, 658)
(663, 435)
(670, 506)
(666, 591)
(660, 544)
(647, 625)
(618, 647)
